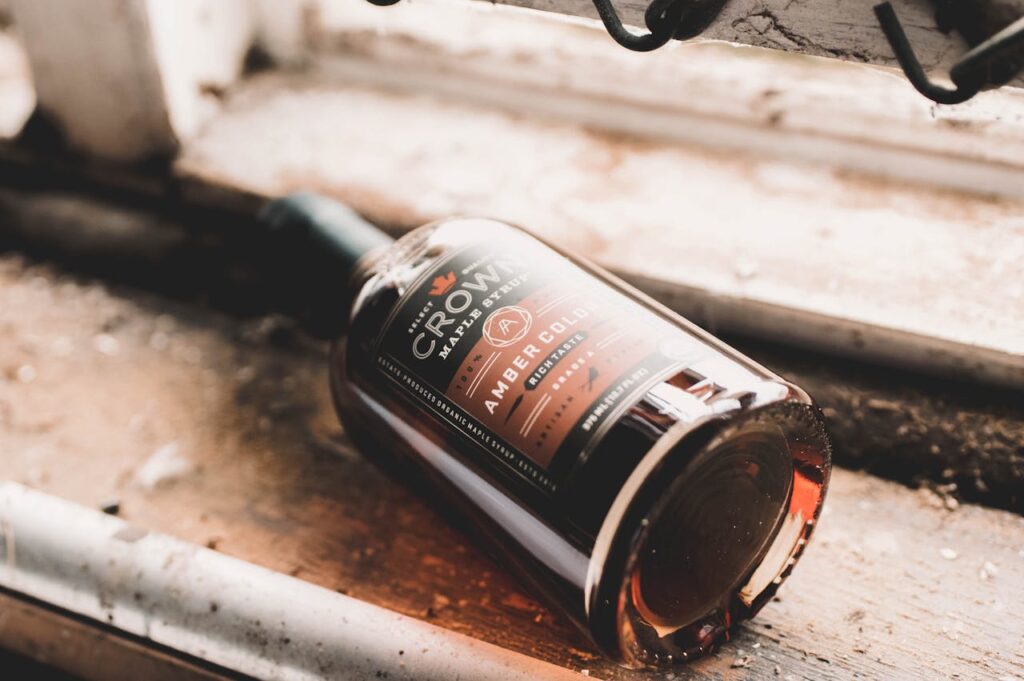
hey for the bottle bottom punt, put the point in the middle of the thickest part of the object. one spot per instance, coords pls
(709, 535)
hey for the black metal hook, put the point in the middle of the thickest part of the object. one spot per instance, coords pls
(665, 19)
(661, 23)
(911, 66)
(992, 62)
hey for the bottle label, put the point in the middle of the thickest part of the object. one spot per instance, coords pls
(527, 355)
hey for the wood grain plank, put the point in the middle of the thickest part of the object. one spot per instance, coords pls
(96, 381)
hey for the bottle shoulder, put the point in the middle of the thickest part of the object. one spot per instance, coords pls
(388, 274)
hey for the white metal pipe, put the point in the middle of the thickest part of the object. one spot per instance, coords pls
(223, 610)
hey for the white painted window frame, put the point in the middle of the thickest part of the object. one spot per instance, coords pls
(132, 79)
(129, 80)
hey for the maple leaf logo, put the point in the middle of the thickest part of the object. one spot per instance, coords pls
(442, 284)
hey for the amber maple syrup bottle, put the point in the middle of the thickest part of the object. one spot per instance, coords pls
(652, 481)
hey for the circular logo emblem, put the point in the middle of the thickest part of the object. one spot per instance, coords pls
(507, 325)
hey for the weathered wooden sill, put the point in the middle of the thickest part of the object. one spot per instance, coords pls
(962, 439)
(99, 380)
(839, 279)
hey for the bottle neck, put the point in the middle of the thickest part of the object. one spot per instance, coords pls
(319, 247)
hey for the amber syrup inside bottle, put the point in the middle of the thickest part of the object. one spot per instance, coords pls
(653, 482)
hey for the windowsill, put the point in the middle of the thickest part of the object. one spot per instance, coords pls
(758, 192)
(790, 250)
(262, 472)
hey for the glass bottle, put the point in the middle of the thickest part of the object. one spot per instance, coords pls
(653, 482)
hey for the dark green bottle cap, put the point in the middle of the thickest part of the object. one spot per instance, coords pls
(316, 243)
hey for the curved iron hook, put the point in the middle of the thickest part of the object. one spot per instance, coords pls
(662, 17)
(912, 67)
(991, 63)
(665, 19)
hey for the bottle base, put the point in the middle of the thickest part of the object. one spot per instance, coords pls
(712, 532)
